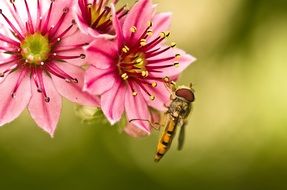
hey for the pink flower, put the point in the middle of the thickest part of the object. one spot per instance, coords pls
(94, 17)
(130, 72)
(41, 62)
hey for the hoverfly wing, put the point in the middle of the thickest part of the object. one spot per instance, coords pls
(181, 136)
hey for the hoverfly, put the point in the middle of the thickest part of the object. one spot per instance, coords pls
(179, 109)
(177, 113)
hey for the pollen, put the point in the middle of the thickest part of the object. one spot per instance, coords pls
(152, 97)
(134, 93)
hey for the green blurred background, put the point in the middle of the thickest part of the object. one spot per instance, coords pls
(237, 134)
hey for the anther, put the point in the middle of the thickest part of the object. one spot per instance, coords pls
(139, 61)
(149, 32)
(42, 63)
(154, 84)
(152, 97)
(125, 49)
(143, 42)
(75, 80)
(164, 34)
(133, 29)
(176, 64)
(13, 95)
(173, 44)
(134, 93)
(145, 73)
(166, 79)
(2, 74)
(89, 5)
(47, 99)
(125, 76)
(177, 56)
(82, 56)
(58, 39)
(66, 10)
(149, 24)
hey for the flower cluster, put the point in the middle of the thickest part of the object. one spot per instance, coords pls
(89, 52)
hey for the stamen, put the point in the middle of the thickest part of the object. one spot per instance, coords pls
(42, 86)
(30, 21)
(55, 70)
(19, 80)
(45, 26)
(161, 60)
(12, 26)
(59, 23)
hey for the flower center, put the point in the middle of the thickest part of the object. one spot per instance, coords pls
(132, 65)
(35, 48)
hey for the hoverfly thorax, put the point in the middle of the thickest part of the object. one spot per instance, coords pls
(181, 103)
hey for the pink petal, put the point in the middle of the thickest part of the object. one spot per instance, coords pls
(4, 67)
(112, 102)
(72, 45)
(46, 114)
(162, 96)
(98, 81)
(136, 109)
(134, 131)
(139, 16)
(161, 23)
(11, 108)
(102, 53)
(118, 27)
(73, 91)
(57, 12)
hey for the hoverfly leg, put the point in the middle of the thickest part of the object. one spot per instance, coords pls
(156, 126)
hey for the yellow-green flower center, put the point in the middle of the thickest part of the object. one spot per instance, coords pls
(35, 48)
(133, 64)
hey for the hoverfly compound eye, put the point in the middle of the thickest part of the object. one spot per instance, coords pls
(185, 93)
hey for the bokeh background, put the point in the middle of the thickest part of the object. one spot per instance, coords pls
(237, 133)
